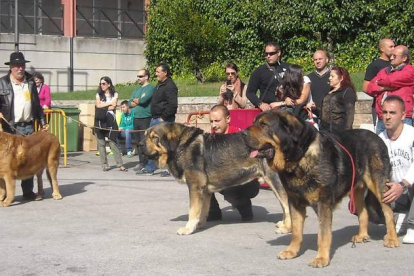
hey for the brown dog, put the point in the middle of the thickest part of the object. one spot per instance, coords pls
(316, 171)
(208, 163)
(23, 157)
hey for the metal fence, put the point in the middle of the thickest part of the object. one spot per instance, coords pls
(35, 17)
(46, 17)
(110, 22)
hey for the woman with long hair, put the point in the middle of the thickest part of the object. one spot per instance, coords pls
(106, 100)
(233, 92)
(295, 90)
(338, 106)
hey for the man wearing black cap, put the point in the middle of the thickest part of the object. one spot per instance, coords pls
(20, 106)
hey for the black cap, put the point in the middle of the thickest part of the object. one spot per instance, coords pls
(16, 58)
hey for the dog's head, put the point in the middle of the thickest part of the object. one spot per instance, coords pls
(279, 137)
(162, 140)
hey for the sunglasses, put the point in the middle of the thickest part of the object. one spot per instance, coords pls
(103, 83)
(270, 53)
(140, 76)
(230, 73)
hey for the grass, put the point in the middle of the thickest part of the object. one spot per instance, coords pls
(186, 88)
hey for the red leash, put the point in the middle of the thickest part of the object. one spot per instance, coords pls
(352, 206)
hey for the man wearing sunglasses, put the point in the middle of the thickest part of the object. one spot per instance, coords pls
(140, 102)
(267, 78)
(396, 79)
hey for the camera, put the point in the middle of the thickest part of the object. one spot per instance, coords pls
(229, 94)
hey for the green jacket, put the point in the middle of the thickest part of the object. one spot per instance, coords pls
(143, 109)
(127, 120)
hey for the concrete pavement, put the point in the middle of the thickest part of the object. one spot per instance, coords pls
(117, 223)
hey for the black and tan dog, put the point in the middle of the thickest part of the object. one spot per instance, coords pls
(24, 157)
(316, 171)
(208, 163)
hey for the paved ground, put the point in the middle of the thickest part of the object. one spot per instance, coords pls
(116, 223)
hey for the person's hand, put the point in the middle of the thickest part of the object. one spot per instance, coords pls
(264, 107)
(134, 102)
(394, 192)
(111, 108)
(230, 87)
(1, 115)
(223, 90)
(276, 104)
(311, 105)
(289, 101)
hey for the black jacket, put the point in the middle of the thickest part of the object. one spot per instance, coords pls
(7, 101)
(267, 79)
(164, 101)
(338, 109)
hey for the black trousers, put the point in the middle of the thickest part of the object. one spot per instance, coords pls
(238, 196)
(141, 124)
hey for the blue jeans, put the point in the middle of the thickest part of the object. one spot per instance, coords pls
(151, 166)
(128, 139)
(381, 126)
(27, 184)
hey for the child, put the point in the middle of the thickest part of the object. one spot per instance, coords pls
(126, 126)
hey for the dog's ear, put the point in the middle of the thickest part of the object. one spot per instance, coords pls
(295, 136)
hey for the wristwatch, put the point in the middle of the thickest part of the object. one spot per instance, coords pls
(405, 187)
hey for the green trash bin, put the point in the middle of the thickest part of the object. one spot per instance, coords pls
(72, 131)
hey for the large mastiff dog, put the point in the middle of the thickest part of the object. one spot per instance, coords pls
(316, 171)
(208, 163)
(23, 157)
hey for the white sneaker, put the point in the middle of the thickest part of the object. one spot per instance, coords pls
(401, 223)
(409, 237)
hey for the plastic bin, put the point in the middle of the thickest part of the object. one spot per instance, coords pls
(72, 127)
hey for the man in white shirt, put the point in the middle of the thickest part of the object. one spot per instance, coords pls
(399, 138)
(20, 105)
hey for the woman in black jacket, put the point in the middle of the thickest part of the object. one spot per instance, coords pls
(338, 107)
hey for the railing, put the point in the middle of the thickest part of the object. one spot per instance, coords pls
(110, 22)
(35, 17)
(46, 17)
(56, 118)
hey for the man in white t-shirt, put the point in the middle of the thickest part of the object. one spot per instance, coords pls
(399, 138)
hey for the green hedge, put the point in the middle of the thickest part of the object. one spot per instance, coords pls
(197, 37)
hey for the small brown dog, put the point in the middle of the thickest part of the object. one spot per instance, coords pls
(25, 156)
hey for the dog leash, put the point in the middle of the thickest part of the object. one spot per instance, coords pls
(352, 205)
(12, 127)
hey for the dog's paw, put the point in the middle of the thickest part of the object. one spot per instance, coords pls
(4, 203)
(286, 255)
(185, 231)
(319, 262)
(360, 238)
(390, 241)
(281, 228)
(57, 196)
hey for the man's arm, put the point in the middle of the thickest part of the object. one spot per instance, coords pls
(373, 88)
(252, 87)
(398, 79)
(146, 95)
(365, 86)
(172, 102)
